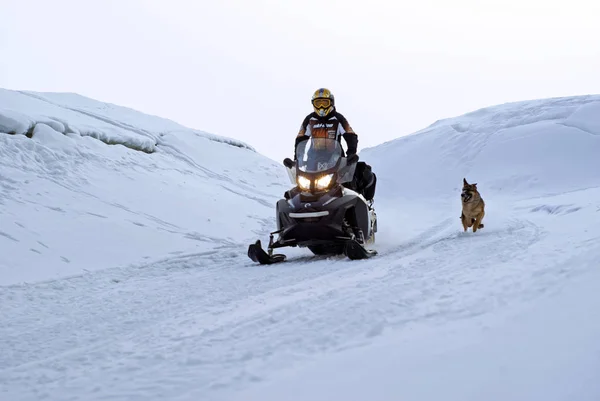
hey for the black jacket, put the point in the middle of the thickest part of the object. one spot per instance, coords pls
(333, 125)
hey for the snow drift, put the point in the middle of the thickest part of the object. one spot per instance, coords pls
(98, 185)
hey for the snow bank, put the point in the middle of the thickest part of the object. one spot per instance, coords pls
(126, 119)
(69, 203)
(72, 113)
(517, 150)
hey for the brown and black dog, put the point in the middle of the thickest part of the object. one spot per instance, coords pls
(473, 206)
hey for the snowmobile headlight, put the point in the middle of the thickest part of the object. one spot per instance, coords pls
(303, 182)
(324, 182)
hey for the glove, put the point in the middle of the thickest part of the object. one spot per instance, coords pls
(352, 142)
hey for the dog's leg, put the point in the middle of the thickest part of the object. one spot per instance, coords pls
(477, 225)
(463, 220)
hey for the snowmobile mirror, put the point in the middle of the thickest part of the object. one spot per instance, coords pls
(288, 162)
(353, 158)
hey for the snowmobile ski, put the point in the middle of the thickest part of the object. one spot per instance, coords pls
(258, 255)
(355, 251)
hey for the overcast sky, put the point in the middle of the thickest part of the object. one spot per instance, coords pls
(246, 69)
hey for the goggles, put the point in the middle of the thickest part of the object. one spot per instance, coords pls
(322, 103)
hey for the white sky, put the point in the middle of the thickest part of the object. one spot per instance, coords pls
(246, 69)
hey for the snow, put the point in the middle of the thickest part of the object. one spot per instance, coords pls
(519, 149)
(548, 351)
(71, 203)
(124, 274)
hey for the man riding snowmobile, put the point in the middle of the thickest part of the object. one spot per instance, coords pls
(329, 210)
(326, 122)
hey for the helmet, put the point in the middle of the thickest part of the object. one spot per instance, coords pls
(323, 101)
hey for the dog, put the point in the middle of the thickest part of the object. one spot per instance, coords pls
(473, 206)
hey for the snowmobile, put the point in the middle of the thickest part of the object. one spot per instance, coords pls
(321, 212)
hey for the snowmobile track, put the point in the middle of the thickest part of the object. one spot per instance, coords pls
(180, 315)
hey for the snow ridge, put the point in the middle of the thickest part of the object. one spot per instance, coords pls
(69, 113)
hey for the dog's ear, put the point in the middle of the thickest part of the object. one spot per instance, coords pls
(465, 181)
(475, 185)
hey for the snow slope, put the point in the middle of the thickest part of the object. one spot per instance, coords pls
(71, 203)
(517, 150)
(507, 313)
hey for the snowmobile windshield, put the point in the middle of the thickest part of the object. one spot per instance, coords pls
(318, 154)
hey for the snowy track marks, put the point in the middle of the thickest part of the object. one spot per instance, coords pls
(214, 317)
